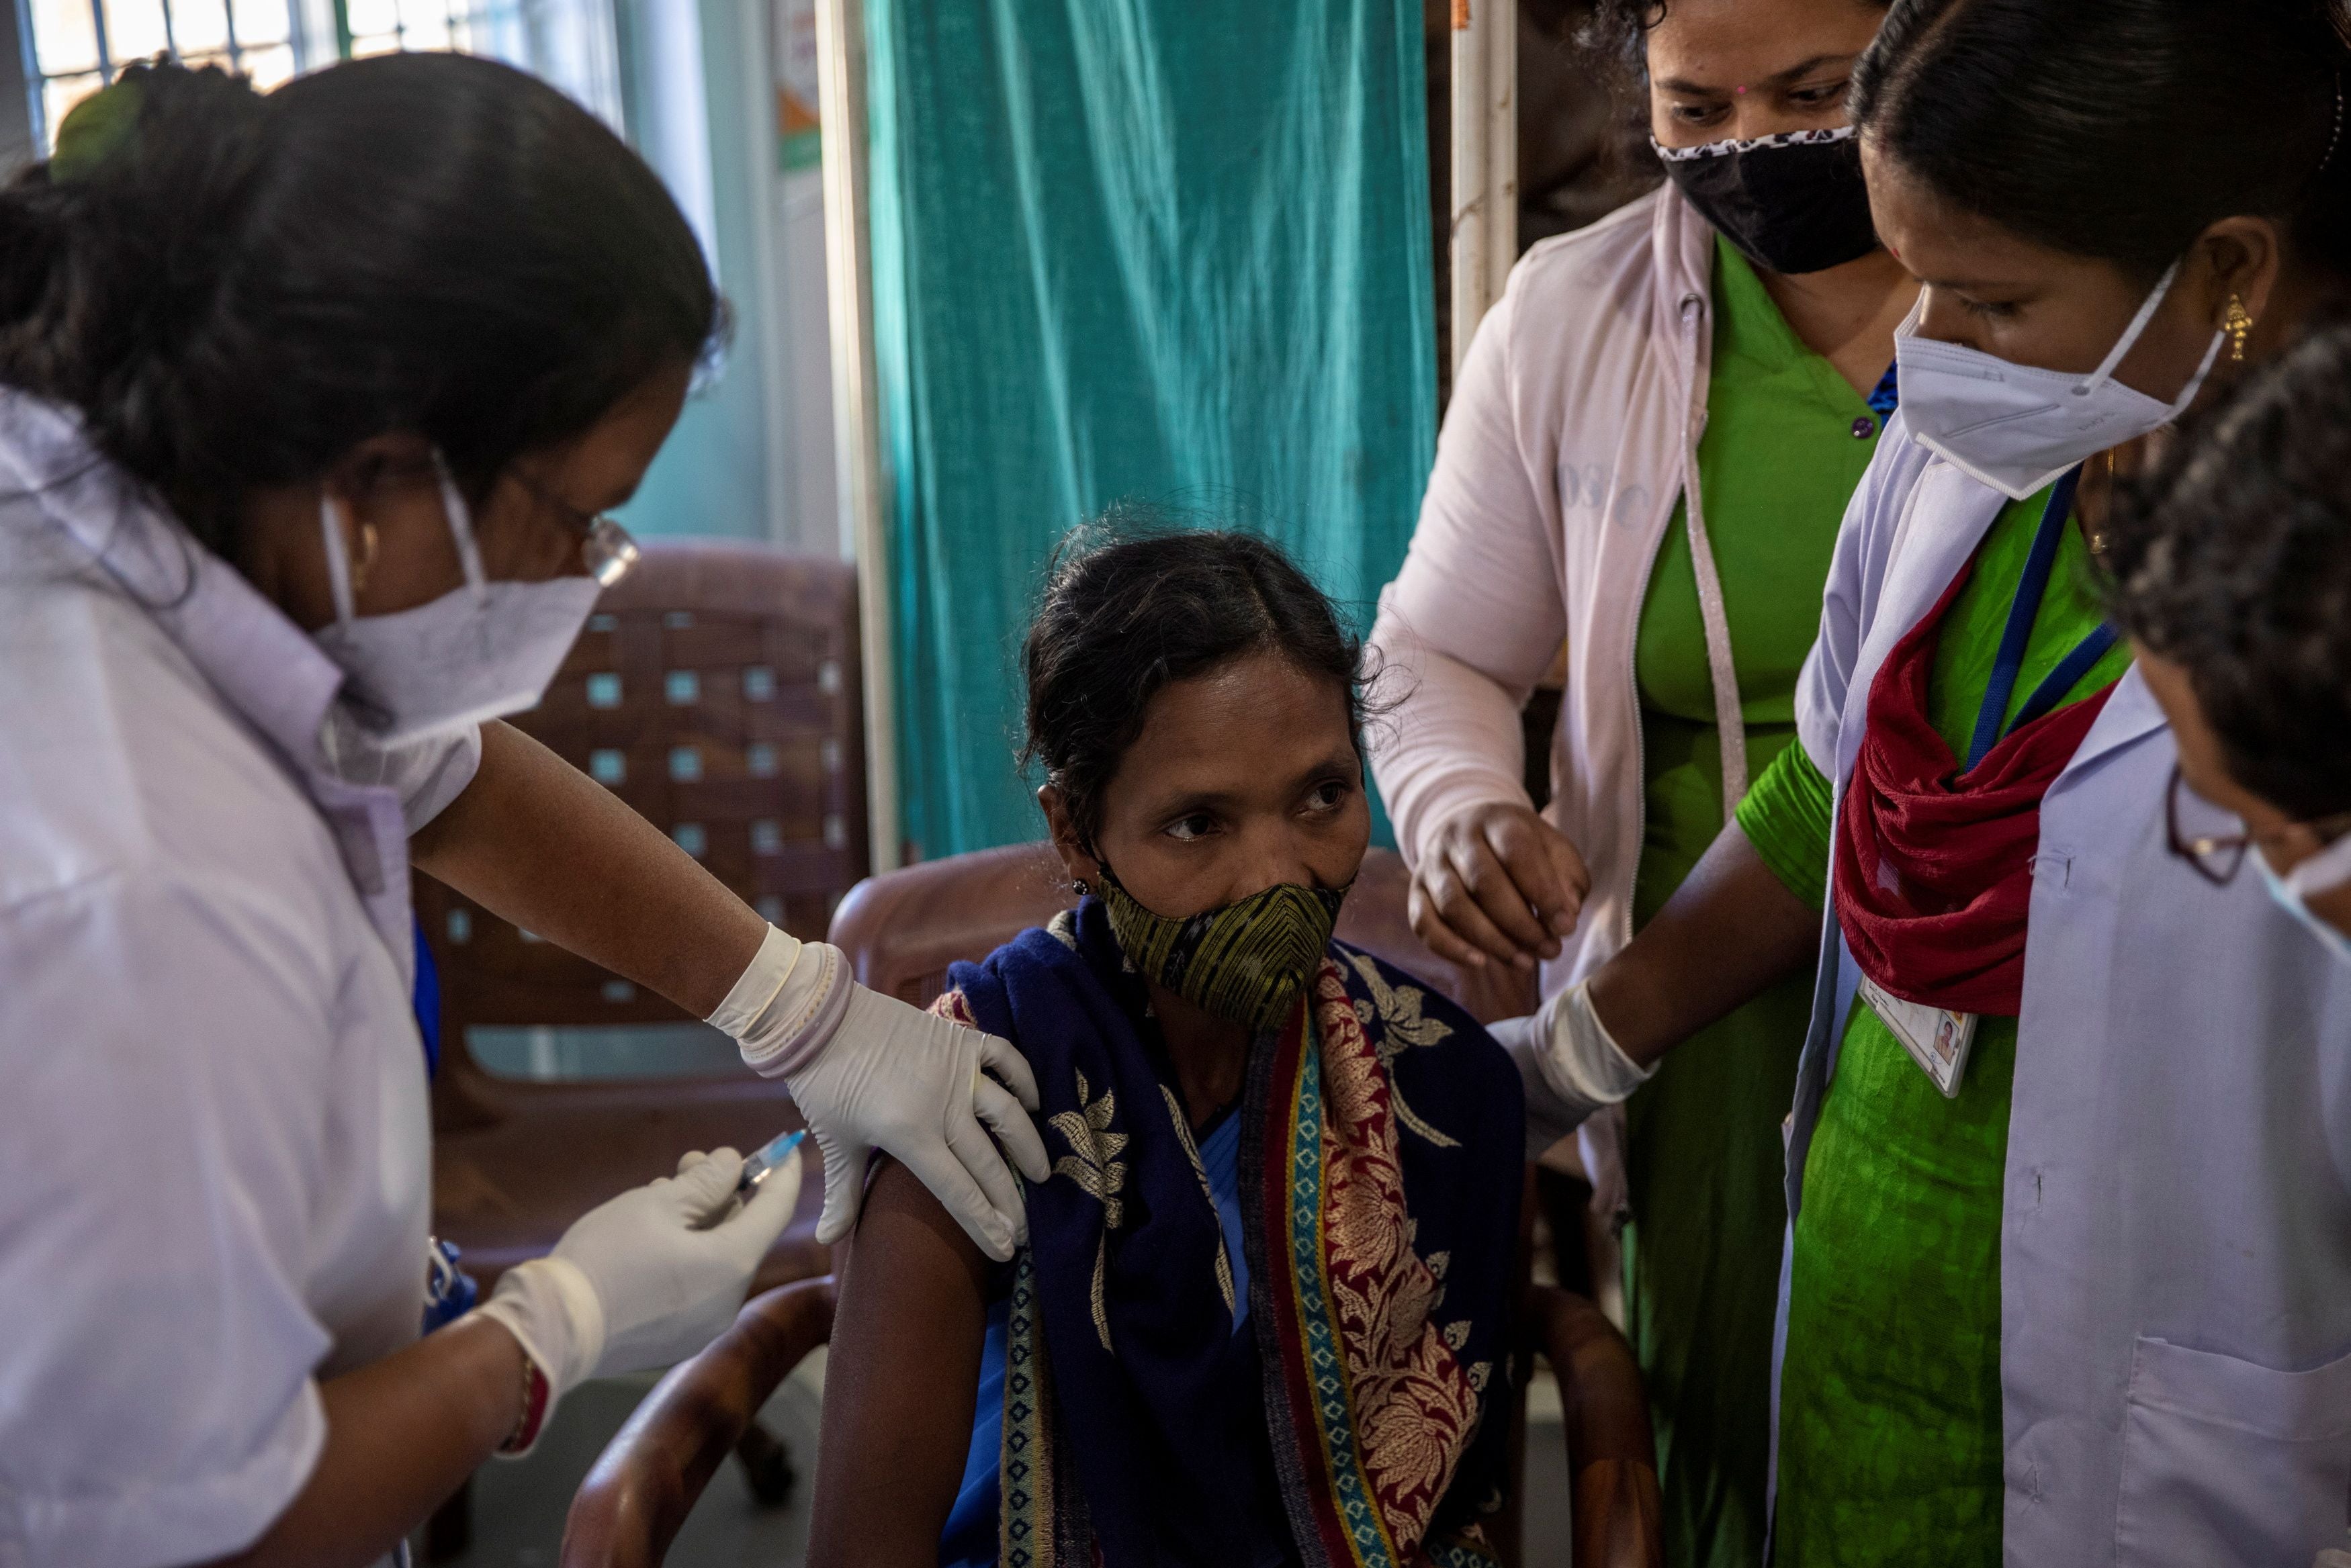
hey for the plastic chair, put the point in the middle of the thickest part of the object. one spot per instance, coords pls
(715, 689)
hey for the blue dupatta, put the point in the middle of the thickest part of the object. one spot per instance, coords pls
(1381, 1138)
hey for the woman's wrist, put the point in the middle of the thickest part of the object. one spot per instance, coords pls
(784, 1006)
(1621, 1002)
(507, 1421)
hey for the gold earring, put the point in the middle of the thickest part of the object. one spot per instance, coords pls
(366, 558)
(2238, 325)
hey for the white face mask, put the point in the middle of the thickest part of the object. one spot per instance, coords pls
(474, 654)
(2016, 427)
(2322, 872)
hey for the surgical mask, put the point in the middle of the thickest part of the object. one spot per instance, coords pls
(2322, 872)
(1794, 203)
(1246, 963)
(2016, 427)
(475, 653)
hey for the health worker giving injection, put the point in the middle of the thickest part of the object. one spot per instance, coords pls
(311, 405)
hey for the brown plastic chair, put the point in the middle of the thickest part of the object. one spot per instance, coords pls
(715, 689)
(649, 1476)
(901, 931)
(1612, 1453)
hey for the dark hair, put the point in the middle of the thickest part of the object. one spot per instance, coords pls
(244, 287)
(2119, 129)
(1131, 605)
(2232, 559)
(1620, 30)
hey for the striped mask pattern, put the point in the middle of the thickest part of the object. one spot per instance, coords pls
(1247, 962)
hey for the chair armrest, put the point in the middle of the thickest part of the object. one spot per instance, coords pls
(1612, 1453)
(649, 1475)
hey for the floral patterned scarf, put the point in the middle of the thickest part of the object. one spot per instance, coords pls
(1380, 1175)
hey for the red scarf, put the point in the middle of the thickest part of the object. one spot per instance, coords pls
(1934, 868)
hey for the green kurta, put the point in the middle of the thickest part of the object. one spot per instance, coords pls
(1890, 1408)
(1786, 440)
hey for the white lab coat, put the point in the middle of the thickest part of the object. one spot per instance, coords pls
(2175, 1239)
(214, 1144)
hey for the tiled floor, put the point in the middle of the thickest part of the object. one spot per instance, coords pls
(519, 1506)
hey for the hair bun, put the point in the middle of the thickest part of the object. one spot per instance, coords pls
(115, 251)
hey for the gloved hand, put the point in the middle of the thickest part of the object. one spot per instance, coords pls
(1568, 1063)
(1549, 1117)
(649, 1278)
(916, 1084)
(868, 1071)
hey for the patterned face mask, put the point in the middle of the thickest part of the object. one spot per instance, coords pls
(1246, 963)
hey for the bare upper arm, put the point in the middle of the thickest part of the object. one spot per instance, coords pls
(900, 1381)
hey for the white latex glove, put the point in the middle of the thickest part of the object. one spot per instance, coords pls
(2333, 1557)
(897, 1078)
(1569, 1064)
(1548, 1118)
(649, 1278)
(868, 1072)
(1600, 1141)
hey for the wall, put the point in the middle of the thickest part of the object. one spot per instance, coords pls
(751, 457)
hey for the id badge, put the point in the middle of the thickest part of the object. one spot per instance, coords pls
(1936, 1038)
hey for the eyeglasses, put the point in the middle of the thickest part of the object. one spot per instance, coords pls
(606, 549)
(2219, 856)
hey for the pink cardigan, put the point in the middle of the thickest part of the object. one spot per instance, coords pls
(1572, 432)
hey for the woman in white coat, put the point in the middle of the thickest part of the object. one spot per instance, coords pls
(2069, 1269)
(309, 406)
(1647, 450)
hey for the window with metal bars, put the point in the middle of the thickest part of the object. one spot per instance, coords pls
(73, 48)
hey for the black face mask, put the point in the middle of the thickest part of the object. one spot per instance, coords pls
(1793, 203)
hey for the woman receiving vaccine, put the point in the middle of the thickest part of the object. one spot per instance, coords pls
(2069, 1269)
(1648, 451)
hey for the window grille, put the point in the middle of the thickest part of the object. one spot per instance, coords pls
(73, 48)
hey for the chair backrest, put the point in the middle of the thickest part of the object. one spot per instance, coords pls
(716, 690)
(901, 930)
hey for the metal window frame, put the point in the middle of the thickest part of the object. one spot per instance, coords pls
(37, 80)
(300, 15)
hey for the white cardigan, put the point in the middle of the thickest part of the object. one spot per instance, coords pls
(1573, 430)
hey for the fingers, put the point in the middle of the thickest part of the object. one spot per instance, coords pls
(985, 1161)
(1551, 885)
(1568, 861)
(689, 1159)
(1442, 940)
(705, 1189)
(770, 1209)
(844, 1185)
(1469, 913)
(1010, 1121)
(1507, 873)
(1000, 1057)
(941, 1168)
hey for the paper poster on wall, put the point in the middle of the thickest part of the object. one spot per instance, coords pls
(798, 127)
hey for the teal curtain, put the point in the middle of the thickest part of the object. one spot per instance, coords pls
(1174, 250)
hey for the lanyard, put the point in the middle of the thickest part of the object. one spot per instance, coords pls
(1886, 395)
(2030, 588)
